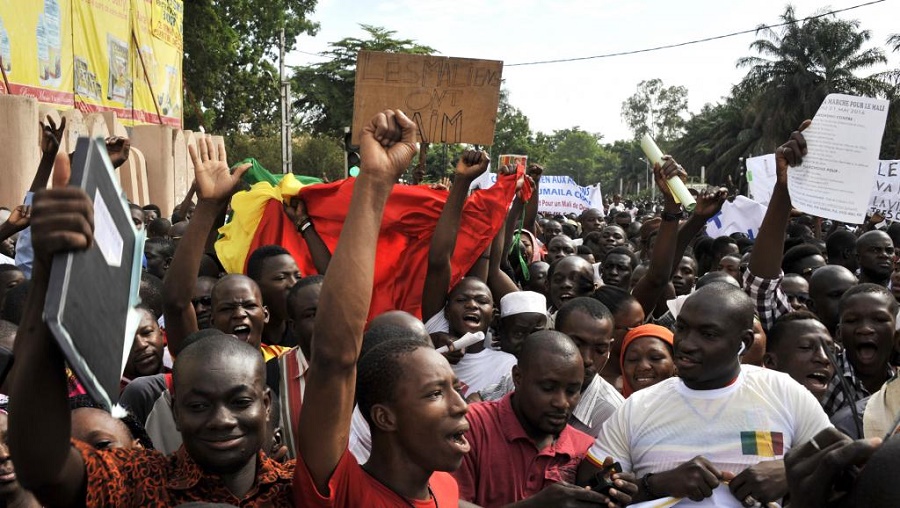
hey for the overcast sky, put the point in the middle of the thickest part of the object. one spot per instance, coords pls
(587, 93)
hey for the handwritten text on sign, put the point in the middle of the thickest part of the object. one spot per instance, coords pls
(885, 199)
(452, 100)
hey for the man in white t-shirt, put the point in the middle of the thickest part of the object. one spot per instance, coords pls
(718, 422)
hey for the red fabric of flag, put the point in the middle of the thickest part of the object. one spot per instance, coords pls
(410, 217)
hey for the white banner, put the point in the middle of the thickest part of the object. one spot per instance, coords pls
(558, 194)
(885, 199)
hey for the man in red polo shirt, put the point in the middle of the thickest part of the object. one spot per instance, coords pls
(522, 447)
(406, 390)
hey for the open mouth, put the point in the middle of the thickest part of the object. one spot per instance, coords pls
(474, 319)
(645, 380)
(867, 353)
(242, 332)
(458, 440)
(819, 378)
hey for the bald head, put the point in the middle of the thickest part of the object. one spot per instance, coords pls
(725, 299)
(215, 350)
(874, 252)
(403, 320)
(826, 287)
(539, 346)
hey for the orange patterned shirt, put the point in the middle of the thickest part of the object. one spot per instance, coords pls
(147, 478)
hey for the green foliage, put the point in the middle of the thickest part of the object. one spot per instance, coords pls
(324, 91)
(656, 109)
(317, 156)
(230, 55)
(512, 134)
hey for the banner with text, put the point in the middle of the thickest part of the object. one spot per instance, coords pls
(96, 55)
(558, 194)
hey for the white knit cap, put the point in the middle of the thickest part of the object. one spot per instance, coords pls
(519, 302)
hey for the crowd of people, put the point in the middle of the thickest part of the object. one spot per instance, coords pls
(627, 356)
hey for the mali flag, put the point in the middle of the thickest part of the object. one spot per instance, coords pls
(401, 259)
(761, 443)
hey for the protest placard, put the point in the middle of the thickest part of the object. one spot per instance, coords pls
(558, 194)
(885, 199)
(836, 177)
(761, 177)
(743, 215)
(452, 100)
(100, 281)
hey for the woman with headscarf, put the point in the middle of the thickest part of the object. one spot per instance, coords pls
(647, 357)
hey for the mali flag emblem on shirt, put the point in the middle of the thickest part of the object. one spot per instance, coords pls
(762, 444)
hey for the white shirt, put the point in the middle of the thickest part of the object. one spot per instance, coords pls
(761, 416)
(360, 437)
(480, 370)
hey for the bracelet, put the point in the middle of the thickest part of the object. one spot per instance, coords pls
(304, 224)
(645, 486)
(672, 217)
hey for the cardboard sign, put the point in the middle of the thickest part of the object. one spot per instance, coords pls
(743, 215)
(452, 100)
(92, 293)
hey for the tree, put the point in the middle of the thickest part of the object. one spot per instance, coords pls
(512, 133)
(324, 91)
(578, 154)
(656, 110)
(231, 80)
(800, 64)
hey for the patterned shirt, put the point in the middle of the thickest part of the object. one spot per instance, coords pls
(834, 398)
(147, 478)
(771, 300)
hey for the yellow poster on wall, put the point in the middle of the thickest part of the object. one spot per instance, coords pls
(36, 50)
(97, 55)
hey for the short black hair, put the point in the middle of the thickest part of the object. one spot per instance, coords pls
(135, 428)
(868, 287)
(793, 255)
(379, 372)
(158, 228)
(543, 343)
(151, 292)
(714, 277)
(154, 208)
(194, 337)
(582, 250)
(613, 298)
(133, 206)
(14, 302)
(781, 329)
(165, 245)
(212, 345)
(10, 268)
(718, 245)
(258, 258)
(590, 306)
(381, 333)
(839, 242)
(302, 283)
(625, 251)
(552, 268)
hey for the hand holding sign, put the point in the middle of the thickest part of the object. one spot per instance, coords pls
(790, 153)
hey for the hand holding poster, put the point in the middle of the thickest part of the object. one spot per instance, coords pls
(837, 174)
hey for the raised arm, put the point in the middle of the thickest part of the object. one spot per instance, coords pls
(653, 283)
(531, 208)
(765, 261)
(321, 256)
(51, 137)
(40, 421)
(471, 165)
(386, 149)
(215, 185)
(708, 205)
(18, 220)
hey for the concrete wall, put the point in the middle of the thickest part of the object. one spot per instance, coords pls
(155, 141)
(19, 147)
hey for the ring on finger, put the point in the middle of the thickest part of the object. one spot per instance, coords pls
(750, 501)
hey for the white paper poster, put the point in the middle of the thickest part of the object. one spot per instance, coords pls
(741, 216)
(837, 175)
(761, 177)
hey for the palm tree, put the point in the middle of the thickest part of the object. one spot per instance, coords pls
(801, 63)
